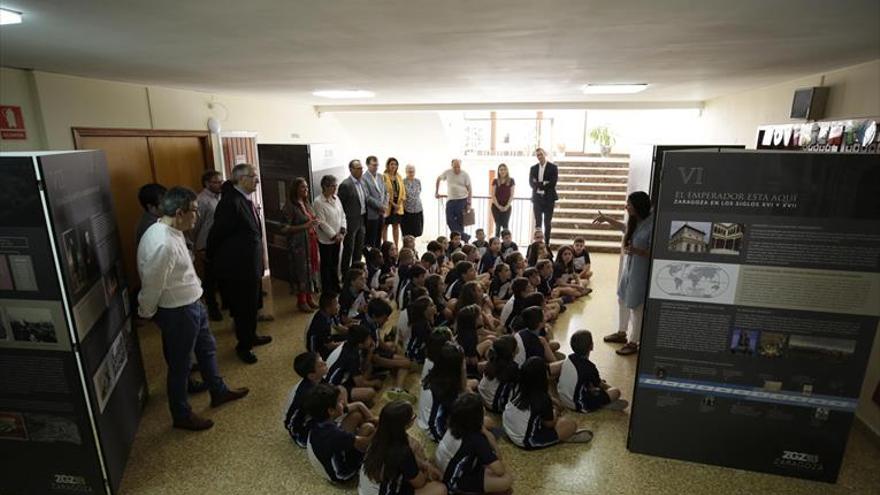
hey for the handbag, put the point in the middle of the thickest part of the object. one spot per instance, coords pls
(469, 217)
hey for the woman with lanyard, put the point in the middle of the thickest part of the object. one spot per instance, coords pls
(396, 198)
(633, 284)
(503, 188)
(413, 216)
(298, 225)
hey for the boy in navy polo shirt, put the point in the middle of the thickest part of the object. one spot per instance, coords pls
(335, 452)
(297, 422)
(386, 354)
(580, 387)
(492, 256)
(466, 272)
(508, 247)
(348, 366)
(320, 337)
(530, 343)
(480, 242)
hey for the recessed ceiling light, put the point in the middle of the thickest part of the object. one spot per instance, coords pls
(344, 93)
(613, 89)
(9, 17)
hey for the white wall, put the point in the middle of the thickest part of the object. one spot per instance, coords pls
(855, 92)
(17, 89)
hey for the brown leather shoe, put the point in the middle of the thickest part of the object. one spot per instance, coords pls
(193, 423)
(229, 395)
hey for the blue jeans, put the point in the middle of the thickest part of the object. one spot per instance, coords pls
(455, 209)
(185, 331)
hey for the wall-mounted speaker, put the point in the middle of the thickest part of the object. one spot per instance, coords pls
(809, 103)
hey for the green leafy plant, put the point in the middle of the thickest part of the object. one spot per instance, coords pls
(602, 136)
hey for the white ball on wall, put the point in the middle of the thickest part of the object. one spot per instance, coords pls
(214, 125)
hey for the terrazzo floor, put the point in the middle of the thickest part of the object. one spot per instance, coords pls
(248, 452)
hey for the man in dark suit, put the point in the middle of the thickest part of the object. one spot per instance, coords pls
(353, 195)
(543, 177)
(235, 252)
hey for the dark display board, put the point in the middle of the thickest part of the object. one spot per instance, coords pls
(279, 165)
(73, 384)
(659, 154)
(763, 303)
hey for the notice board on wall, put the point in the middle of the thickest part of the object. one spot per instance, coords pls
(763, 303)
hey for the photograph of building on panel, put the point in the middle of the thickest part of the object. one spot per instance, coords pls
(689, 237)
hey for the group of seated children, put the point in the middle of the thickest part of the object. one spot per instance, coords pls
(474, 319)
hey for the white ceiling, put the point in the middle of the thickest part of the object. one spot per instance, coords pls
(449, 51)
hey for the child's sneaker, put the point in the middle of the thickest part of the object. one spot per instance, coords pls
(581, 436)
(618, 405)
(400, 394)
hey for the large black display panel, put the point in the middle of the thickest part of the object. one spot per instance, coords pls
(73, 384)
(763, 303)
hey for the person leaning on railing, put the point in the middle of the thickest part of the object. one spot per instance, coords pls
(459, 193)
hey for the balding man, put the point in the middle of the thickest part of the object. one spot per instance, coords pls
(458, 196)
(235, 253)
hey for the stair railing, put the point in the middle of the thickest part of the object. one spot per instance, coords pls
(521, 224)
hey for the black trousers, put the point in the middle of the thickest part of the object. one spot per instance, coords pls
(544, 217)
(373, 237)
(502, 220)
(209, 287)
(352, 246)
(329, 267)
(244, 298)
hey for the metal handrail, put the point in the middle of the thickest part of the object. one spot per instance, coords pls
(521, 224)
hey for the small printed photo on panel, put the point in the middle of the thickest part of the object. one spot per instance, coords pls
(689, 237)
(815, 347)
(726, 238)
(34, 325)
(772, 344)
(744, 341)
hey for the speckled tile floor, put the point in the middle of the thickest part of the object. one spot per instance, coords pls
(248, 452)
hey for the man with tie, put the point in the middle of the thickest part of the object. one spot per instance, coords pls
(543, 177)
(377, 200)
(353, 197)
(235, 252)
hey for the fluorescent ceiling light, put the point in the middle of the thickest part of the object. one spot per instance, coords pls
(613, 89)
(344, 93)
(9, 17)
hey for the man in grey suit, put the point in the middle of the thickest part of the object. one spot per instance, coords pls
(377, 201)
(352, 193)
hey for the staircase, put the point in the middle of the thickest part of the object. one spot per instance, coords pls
(587, 186)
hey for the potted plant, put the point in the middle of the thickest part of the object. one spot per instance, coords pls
(603, 138)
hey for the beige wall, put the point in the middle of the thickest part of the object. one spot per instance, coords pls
(60, 102)
(17, 89)
(855, 92)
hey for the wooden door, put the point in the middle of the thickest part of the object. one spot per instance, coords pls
(178, 161)
(128, 163)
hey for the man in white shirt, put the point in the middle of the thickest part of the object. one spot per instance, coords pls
(354, 203)
(331, 231)
(207, 200)
(458, 192)
(170, 293)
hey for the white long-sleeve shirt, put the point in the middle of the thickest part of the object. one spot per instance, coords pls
(168, 279)
(331, 215)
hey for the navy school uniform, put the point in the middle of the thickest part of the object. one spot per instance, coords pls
(407, 470)
(579, 385)
(432, 414)
(488, 262)
(451, 276)
(344, 363)
(464, 461)
(525, 427)
(499, 289)
(440, 305)
(508, 249)
(418, 338)
(374, 328)
(351, 301)
(454, 289)
(468, 343)
(374, 274)
(332, 453)
(545, 286)
(482, 246)
(580, 261)
(495, 393)
(320, 334)
(296, 421)
(528, 344)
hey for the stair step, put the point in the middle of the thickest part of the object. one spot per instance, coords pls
(591, 203)
(610, 179)
(592, 246)
(624, 172)
(595, 156)
(581, 194)
(584, 214)
(595, 234)
(580, 223)
(596, 186)
(595, 163)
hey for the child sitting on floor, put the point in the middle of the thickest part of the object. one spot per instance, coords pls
(501, 375)
(465, 272)
(347, 368)
(454, 243)
(480, 242)
(581, 259)
(530, 419)
(386, 354)
(421, 314)
(409, 242)
(492, 257)
(467, 324)
(395, 463)
(499, 289)
(354, 296)
(336, 451)
(436, 291)
(311, 368)
(580, 387)
(468, 454)
(320, 336)
(508, 247)
(530, 343)
(519, 288)
(565, 274)
(441, 386)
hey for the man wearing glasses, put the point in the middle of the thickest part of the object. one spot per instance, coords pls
(235, 253)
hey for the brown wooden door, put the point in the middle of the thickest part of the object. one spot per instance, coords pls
(128, 162)
(178, 161)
